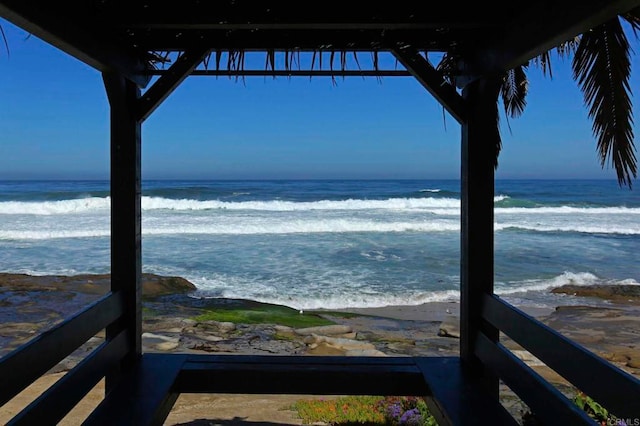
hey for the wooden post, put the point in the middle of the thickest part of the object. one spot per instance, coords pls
(479, 140)
(126, 260)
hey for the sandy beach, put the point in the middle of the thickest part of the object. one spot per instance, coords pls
(33, 304)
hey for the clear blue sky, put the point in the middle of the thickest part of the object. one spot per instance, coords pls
(54, 124)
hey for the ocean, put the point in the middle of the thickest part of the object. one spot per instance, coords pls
(332, 243)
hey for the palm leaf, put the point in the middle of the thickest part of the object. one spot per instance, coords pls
(601, 66)
(447, 66)
(564, 50)
(4, 38)
(633, 18)
(543, 61)
(514, 89)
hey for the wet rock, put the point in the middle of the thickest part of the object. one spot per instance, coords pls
(618, 293)
(325, 330)
(152, 285)
(401, 347)
(218, 326)
(340, 343)
(283, 329)
(226, 327)
(156, 285)
(450, 327)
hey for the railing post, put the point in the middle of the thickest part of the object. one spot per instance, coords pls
(480, 139)
(126, 260)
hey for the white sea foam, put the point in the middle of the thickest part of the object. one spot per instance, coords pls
(446, 206)
(567, 210)
(595, 228)
(81, 205)
(52, 234)
(566, 278)
(149, 203)
(344, 300)
(357, 298)
(288, 225)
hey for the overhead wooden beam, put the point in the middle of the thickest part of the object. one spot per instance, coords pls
(285, 15)
(321, 39)
(540, 28)
(45, 21)
(175, 75)
(293, 73)
(432, 80)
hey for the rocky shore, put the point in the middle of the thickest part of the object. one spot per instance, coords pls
(175, 321)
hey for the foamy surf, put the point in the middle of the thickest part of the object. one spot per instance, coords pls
(331, 244)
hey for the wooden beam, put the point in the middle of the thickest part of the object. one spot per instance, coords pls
(60, 398)
(479, 139)
(319, 375)
(24, 365)
(456, 397)
(45, 21)
(169, 81)
(298, 40)
(432, 80)
(615, 389)
(285, 15)
(145, 395)
(540, 28)
(126, 259)
(293, 73)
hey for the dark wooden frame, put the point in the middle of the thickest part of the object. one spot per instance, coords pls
(141, 388)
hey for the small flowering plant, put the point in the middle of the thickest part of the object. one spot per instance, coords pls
(409, 411)
(366, 410)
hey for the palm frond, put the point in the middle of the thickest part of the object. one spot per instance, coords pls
(564, 50)
(602, 68)
(569, 47)
(514, 89)
(4, 38)
(633, 18)
(447, 66)
(543, 61)
(492, 116)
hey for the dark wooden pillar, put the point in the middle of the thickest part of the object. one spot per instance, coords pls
(126, 260)
(479, 138)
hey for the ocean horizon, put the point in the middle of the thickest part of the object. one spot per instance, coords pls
(331, 244)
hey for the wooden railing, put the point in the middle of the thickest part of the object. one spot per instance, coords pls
(27, 363)
(615, 389)
(147, 392)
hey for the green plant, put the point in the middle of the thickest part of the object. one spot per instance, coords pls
(591, 407)
(366, 410)
(406, 410)
(341, 411)
(264, 314)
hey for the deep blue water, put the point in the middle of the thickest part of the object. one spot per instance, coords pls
(331, 243)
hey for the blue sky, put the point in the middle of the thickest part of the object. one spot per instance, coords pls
(54, 124)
